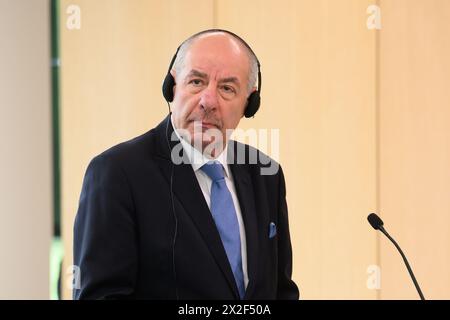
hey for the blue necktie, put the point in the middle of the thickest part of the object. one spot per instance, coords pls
(224, 214)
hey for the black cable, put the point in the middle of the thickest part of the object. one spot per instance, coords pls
(175, 218)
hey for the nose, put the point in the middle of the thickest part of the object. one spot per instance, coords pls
(209, 100)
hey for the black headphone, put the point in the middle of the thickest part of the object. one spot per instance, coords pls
(253, 100)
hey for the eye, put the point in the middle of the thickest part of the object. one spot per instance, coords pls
(228, 89)
(196, 82)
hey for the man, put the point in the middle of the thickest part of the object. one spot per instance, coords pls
(168, 215)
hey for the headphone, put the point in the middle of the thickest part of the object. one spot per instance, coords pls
(253, 101)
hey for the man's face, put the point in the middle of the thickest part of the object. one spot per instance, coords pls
(211, 88)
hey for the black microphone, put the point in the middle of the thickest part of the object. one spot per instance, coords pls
(376, 222)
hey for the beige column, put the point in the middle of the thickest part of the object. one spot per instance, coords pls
(26, 158)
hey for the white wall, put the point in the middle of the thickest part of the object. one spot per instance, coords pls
(25, 146)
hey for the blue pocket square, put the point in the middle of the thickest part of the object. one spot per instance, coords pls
(272, 230)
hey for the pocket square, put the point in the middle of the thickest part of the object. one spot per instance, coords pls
(272, 230)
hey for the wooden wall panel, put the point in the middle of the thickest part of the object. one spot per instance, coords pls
(318, 65)
(415, 145)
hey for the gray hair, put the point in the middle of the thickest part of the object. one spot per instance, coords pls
(253, 72)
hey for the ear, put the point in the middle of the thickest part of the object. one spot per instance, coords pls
(245, 108)
(174, 75)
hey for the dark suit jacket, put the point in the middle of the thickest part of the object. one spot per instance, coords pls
(132, 241)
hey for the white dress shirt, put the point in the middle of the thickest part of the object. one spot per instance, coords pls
(197, 160)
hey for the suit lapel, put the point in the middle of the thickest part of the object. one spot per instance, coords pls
(187, 191)
(244, 189)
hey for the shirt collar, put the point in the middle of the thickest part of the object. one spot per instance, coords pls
(196, 158)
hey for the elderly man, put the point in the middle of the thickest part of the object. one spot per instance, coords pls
(178, 213)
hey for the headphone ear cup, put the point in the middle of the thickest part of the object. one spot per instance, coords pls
(254, 101)
(167, 88)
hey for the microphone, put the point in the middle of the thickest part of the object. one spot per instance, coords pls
(376, 222)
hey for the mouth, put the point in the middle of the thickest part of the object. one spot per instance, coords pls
(204, 124)
(208, 125)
